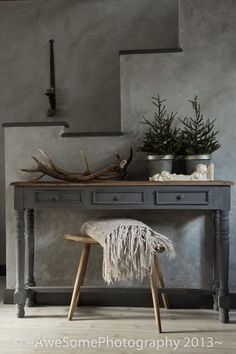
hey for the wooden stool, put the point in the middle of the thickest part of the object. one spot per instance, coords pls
(155, 275)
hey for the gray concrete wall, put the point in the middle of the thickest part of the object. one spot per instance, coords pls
(56, 259)
(88, 36)
(207, 67)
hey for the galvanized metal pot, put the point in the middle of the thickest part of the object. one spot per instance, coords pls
(191, 161)
(158, 163)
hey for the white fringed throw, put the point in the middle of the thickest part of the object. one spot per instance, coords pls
(128, 245)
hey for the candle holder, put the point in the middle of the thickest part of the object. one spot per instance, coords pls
(51, 91)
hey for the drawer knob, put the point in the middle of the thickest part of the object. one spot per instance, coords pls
(55, 198)
(180, 196)
(117, 198)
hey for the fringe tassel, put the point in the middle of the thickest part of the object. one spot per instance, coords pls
(129, 252)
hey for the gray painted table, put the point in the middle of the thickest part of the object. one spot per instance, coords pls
(213, 196)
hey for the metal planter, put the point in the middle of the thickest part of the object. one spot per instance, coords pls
(158, 163)
(191, 161)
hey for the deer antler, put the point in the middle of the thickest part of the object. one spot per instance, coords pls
(86, 171)
(118, 169)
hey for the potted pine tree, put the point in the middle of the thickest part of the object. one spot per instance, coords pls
(161, 140)
(198, 138)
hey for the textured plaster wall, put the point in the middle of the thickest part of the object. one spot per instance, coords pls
(207, 67)
(56, 259)
(88, 36)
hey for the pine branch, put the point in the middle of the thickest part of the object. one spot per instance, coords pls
(198, 135)
(161, 138)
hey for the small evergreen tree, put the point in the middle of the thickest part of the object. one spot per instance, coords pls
(161, 138)
(198, 136)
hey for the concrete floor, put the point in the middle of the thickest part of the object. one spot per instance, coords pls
(46, 330)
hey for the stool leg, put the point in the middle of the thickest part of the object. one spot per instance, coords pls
(153, 283)
(161, 282)
(79, 279)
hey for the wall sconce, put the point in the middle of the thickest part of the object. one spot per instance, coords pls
(51, 91)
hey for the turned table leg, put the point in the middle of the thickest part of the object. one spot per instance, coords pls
(216, 283)
(29, 238)
(20, 293)
(223, 256)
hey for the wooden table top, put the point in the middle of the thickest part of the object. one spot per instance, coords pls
(120, 183)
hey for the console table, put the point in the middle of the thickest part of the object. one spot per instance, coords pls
(201, 195)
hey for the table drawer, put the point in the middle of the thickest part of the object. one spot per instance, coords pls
(182, 197)
(58, 197)
(118, 198)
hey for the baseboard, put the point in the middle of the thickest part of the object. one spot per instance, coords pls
(2, 270)
(99, 296)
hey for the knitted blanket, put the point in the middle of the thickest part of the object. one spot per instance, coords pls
(128, 245)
